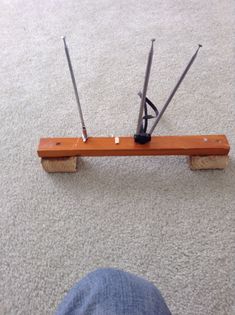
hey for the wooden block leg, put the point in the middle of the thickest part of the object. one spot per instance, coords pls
(60, 165)
(208, 162)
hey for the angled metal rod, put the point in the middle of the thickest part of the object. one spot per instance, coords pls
(84, 132)
(174, 90)
(146, 81)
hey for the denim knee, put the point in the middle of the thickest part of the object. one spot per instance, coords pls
(109, 291)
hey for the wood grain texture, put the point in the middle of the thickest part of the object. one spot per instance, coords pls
(160, 145)
(208, 162)
(60, 165)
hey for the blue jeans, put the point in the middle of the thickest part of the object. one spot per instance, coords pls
(113, 292)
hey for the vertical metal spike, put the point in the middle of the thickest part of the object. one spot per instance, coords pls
(84, 132)
(146, 81)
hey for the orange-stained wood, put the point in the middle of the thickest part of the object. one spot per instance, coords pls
(159, 145)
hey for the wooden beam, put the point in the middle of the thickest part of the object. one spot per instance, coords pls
(202, 145)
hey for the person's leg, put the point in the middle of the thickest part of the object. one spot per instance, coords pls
(113, 292)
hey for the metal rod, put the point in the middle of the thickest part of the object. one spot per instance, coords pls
(146, 80)
(84, 132)
(174, 90)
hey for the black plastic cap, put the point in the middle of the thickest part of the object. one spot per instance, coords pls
(142, 138)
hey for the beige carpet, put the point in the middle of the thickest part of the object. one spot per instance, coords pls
(150, 215)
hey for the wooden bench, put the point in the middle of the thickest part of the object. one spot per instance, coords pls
(205, 151)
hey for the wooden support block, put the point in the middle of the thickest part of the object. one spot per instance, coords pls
(209, 162)
(60, 165)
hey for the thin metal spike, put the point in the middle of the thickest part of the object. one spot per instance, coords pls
(84, 132)
(146, 80)
(175, 89)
